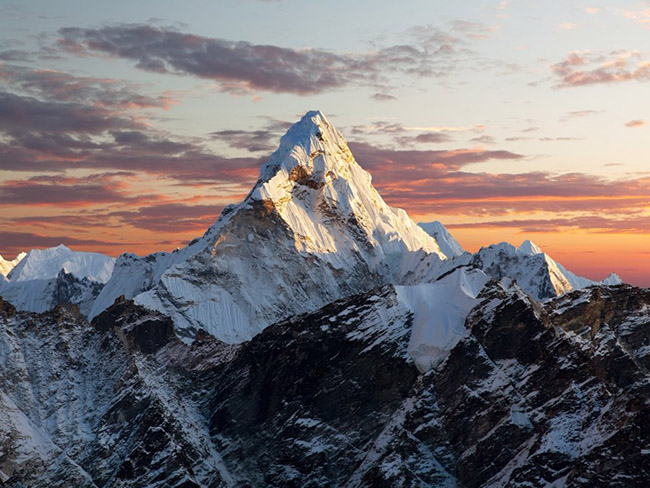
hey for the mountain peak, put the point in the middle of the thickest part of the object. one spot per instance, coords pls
(314, 184)
(313, 123)
(448, 245)
(311, 152)
(529, 248)
(47, 263)
(7, 265)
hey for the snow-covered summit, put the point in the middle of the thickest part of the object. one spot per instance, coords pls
(6, 266)
(448, 244)
(576, 282)
(39, 264)
(313, 179)
(312, 230)
(529, 248)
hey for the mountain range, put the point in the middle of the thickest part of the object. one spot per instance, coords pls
(315, 336)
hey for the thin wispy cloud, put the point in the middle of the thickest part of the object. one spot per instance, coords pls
(586, 68)
(618, 224)
(438, 181)
(64, 87)
(383, 97)
(566, 26)
(240, 66)
(578, 114)
(635, 123)
(641, 17)
(258, 140)
(68, 192)
(14, 242)
(61, 123)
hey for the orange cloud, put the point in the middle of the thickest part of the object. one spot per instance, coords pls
(639, 16)
(565, 26)
(635, 123)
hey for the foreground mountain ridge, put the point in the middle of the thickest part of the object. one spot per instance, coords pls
(530, 395)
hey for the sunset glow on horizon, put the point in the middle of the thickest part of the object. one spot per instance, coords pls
(130, 129)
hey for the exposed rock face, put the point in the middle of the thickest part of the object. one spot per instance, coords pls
(78, 407)
(318, 389)
(533, 395)
(137, 328)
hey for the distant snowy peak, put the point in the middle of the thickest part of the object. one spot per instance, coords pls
(529, 248)
(535, 272)
(448, 245)
(576, 282)
(7, 266)
(612, 279)
(43, 264)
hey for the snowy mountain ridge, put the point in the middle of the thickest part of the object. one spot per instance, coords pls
(576, 282)
(44, 278)
(47, 263)
(535, 272)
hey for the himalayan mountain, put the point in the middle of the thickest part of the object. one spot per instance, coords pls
(315, 336)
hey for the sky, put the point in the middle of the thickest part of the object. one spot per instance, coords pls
(128, 126)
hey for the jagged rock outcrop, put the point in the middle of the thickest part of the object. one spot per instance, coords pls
(89, 406)
(534, 394)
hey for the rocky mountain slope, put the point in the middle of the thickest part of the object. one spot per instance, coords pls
(531, 395)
